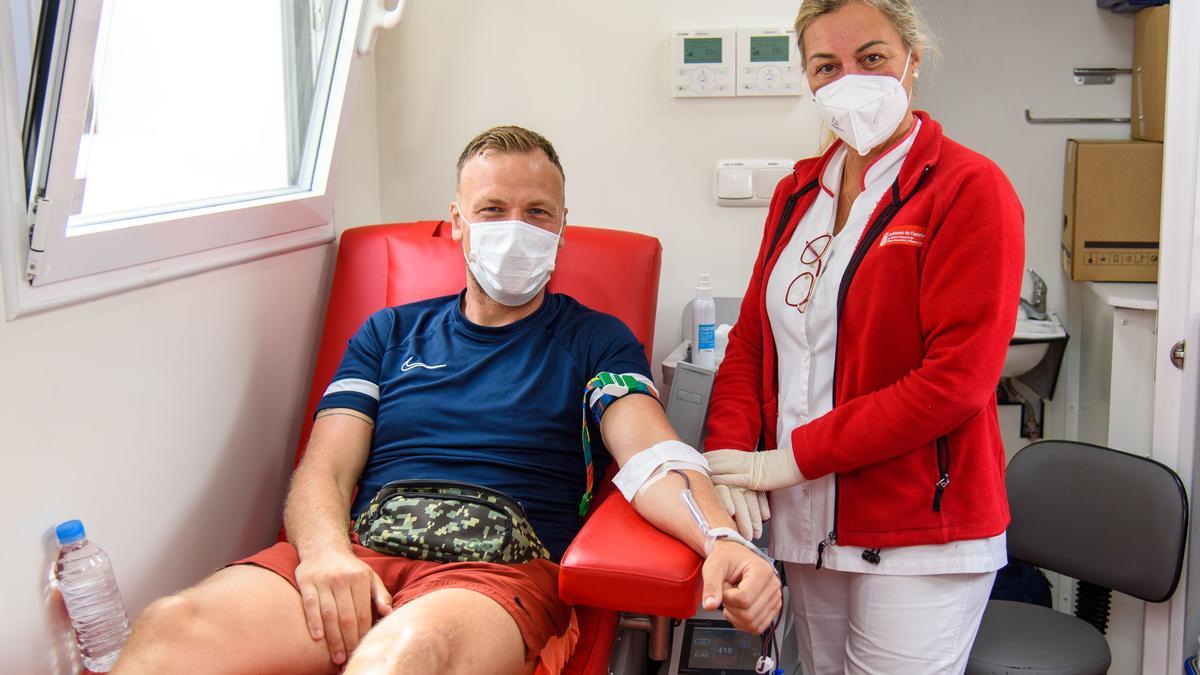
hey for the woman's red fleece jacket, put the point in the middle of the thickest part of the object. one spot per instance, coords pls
(926, 310)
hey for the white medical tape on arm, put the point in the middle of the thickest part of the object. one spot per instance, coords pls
(642, 468)
(666, 468)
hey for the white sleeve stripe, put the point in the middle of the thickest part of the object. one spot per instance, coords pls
(363, 387)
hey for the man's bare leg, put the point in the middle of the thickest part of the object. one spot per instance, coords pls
(243, 619)
(454, 630)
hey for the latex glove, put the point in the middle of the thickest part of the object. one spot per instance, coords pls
(748, 508)
(763, 471)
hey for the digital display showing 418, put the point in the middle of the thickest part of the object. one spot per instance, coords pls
(719, 650)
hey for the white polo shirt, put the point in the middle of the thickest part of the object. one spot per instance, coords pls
(802, 294)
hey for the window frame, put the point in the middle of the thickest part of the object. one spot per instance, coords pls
(45, 266)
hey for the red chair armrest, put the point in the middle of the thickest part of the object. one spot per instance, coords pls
(621, 562)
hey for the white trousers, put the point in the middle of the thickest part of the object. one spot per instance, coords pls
(848, 622)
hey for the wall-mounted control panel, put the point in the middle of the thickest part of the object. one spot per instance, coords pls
(768, 62)
(748, 182)
(741, 62)
(702, 63)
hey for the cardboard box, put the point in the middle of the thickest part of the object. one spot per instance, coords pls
(1112, 191)
(1149, 91)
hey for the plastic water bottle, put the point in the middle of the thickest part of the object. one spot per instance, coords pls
(86, 581)
(704, 325)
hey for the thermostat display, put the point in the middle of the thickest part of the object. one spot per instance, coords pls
(769, 49)
(702, 50)
(768, 62)
(702, 63)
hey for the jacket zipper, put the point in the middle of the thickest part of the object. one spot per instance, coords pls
(789, 207)
(831, 538)
(943, 466)
(860, 252)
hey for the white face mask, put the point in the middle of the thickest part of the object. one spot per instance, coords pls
(511, 259)
(864, 110)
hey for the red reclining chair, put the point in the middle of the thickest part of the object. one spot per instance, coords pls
(618, 562)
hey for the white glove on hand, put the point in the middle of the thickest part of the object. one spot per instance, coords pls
(762, 471)
(748, 508)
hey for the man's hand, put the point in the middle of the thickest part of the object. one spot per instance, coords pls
(748, 508)
(337, 590)
(764, 471)
(744, 584)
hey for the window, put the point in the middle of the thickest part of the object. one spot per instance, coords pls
(163, 137)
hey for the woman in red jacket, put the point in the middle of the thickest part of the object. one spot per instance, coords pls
(865, 359)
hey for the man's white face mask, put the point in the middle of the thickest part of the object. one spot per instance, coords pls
(511, 259)
(864, 110)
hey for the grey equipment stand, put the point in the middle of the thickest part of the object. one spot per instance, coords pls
(690, 385)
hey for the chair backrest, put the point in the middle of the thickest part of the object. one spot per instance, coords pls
(385, 265)
(1099, 515)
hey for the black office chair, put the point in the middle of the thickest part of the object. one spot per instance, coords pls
(1102, 516)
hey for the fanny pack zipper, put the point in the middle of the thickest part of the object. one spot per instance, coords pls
(393, 491)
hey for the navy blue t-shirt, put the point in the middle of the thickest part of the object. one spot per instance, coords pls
(497, 407)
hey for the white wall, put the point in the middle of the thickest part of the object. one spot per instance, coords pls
(165, 418)
(595, 83)
(594, 80)
(1001, 58)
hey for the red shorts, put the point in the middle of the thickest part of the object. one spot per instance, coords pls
(528, 591)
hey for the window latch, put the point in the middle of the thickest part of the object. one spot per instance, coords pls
(37, 241)
(1178, 352)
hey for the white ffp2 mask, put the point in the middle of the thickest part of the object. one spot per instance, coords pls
(511, 259)
(864, 110)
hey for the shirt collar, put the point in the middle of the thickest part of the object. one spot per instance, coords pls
(832, 173)
(892, 157)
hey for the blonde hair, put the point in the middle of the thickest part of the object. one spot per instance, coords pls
(901, 13)
(509, 140)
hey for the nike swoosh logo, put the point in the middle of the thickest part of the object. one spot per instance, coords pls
(409, 364)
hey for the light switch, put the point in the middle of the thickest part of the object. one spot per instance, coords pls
(748, 182)
(766, 178)
(735, 183)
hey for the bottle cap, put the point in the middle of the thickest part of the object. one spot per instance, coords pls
(70, 532)
(704, 283)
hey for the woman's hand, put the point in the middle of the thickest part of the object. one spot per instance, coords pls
(762, 471)
(748, 508)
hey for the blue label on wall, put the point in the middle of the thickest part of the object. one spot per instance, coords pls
(707, 336)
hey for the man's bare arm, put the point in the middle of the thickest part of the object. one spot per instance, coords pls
(318, 500)
(733, 575)
(337, 589)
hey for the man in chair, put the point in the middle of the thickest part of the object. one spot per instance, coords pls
(483, 388)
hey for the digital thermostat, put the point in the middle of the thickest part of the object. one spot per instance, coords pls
(702, 63)
(768, 62)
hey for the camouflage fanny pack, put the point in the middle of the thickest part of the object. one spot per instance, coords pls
(447, 521)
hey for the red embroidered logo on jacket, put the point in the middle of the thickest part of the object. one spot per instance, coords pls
(903, 235)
